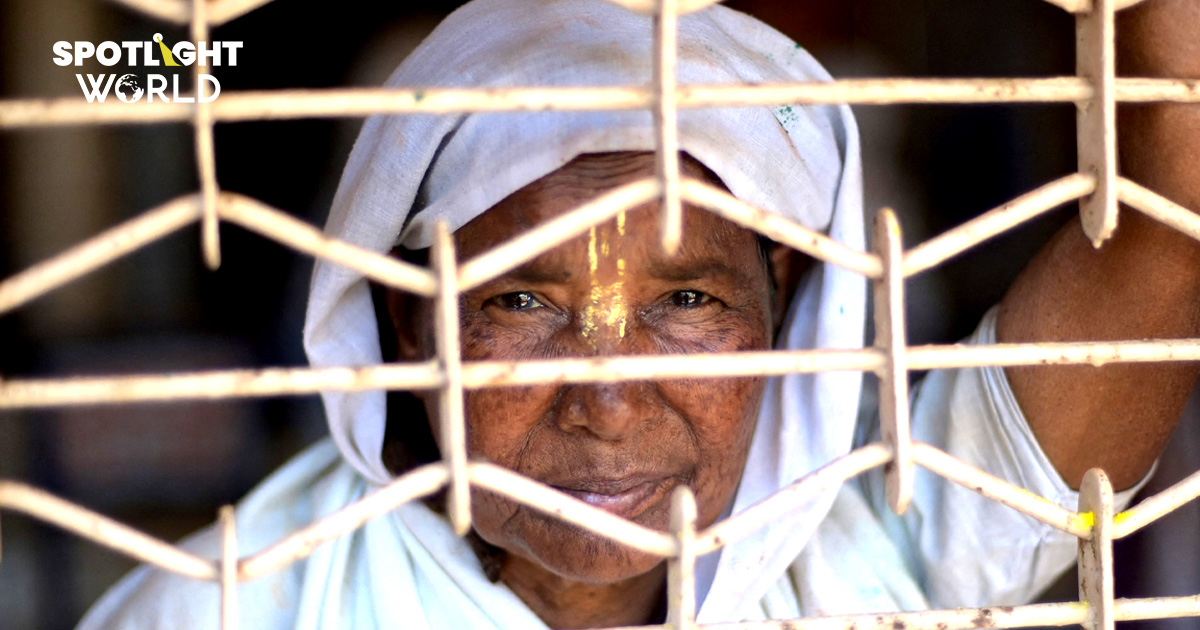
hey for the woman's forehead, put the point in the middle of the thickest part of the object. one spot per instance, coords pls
(586, 178)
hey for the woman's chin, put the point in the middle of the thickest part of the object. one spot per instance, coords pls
(571, 552)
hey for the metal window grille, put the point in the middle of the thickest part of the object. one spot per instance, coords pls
(1095, 89)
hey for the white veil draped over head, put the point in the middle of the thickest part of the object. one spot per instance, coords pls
(407, 172)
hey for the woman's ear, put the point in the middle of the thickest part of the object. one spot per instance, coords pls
(787, 267)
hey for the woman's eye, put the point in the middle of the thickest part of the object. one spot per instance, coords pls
(517, 301)
(690, 299)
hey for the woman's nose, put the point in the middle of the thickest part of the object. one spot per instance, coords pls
(610, 411)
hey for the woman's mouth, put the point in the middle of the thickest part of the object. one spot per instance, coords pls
(626, 498)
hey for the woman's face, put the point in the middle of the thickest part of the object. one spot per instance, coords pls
(622, 447)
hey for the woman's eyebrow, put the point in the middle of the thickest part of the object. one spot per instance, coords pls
(675, 270)
(538, 275)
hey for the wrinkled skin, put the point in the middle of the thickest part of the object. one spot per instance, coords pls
(623, 446)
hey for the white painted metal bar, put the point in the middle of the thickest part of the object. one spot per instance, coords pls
(1052, 614)
(891, 340)
(229, 568)
(98, 251)
(543, 238)
(220, 384)
(1033, 204)
(453, 427)
(1095, 552)
(666, 124)
(206, 159)
(415, 484)
(545, 499)
(235, 106)
(281, 227)
(1153, 508)
(681, 568)
(222, 11)
(1056, 353)
(1095, 61)
(103, 530)
(648, 7)
(780, 229)
(1158, 207)
(173, 11)
(800, 492)
(656, 367)
(1095, 90)
(1020, 499)
(33, 393)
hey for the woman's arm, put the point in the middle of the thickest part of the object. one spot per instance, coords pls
(1144, 283)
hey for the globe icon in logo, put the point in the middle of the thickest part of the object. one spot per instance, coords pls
(128, 88)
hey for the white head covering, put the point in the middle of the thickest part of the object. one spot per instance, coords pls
(799, 162)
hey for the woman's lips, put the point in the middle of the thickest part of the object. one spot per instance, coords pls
(625, 498)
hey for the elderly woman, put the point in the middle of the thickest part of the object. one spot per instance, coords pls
(625, 447)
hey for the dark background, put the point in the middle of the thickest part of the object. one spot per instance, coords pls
(165, 468)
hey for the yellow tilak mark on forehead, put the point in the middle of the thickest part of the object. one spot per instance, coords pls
(621, 223)
(605, 304)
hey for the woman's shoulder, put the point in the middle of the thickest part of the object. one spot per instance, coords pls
(314, 483)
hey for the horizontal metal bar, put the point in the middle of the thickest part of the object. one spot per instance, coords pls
(1054, 353)
(83, 390)
(233, 106)
(30, 393)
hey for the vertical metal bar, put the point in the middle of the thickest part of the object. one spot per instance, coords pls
(206, 163)
(666, 123)
(1096, 120)
(1095, 553)
(893, 377)
(453, 432)
(681, 569)
(229, 568)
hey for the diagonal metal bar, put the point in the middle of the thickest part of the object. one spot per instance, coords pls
(103, 530)
(543, 238)
(415, 484)
(283, 228)
(1020, 499)
(1158, 208)
(98, 251)
(1157, 506)
(1033, 204)
(800, 492)
(526, 491)
(780, 229)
